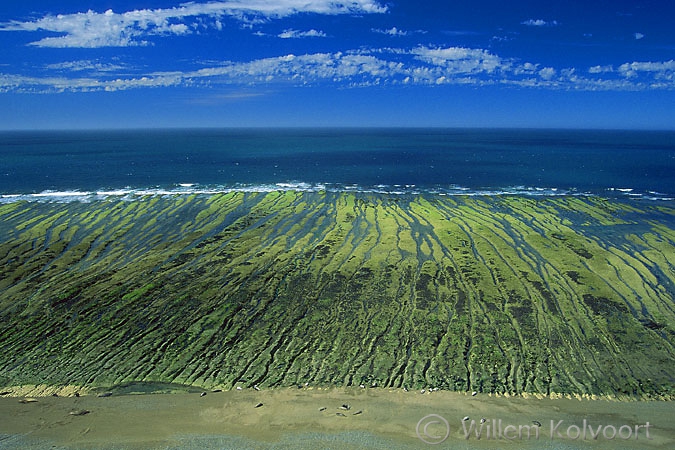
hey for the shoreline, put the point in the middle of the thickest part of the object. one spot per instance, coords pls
(394, 191)
(160, 388)
(310, 417)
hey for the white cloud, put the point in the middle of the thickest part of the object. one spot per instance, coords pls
(459, 59)
(295, 34)
(539, 23)
(525, 69)
(19, 83)
(547, 73)
(658, 70)
(178, 28)
(110, 29)
(84, 65)
(385, 66)
(301, 69)
(638, 36)
(664, 66)
(393, 31)
(601, 69)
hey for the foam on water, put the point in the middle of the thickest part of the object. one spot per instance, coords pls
(130, 194)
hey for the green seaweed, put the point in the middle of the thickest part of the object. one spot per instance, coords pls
(493, 294)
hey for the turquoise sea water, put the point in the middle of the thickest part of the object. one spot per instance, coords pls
(85, 164)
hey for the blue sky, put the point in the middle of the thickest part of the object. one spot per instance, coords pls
(159, 63)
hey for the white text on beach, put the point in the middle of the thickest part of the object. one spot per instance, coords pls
(496, 429)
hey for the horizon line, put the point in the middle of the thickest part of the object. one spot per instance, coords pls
(331, 127)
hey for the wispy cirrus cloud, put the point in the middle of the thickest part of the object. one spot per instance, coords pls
(132, 28)
(296, 34)
(393, 31)
(85, 65)
(420, 66)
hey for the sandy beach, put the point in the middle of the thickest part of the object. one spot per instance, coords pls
(331, 418)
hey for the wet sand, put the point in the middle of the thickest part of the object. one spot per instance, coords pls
(293, 418)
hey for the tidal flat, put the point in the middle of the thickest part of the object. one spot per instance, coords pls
(333, 418)
(564, 296)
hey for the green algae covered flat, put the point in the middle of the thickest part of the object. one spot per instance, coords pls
(499, 294)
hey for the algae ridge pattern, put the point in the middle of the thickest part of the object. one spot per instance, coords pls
(501, 294)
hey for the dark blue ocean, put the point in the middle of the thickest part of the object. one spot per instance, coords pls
(57, 165)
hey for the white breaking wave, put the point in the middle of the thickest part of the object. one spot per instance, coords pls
(178, 189)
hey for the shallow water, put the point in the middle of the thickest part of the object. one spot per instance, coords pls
(291, 418)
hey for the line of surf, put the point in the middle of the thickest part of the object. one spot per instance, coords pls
(129, 193)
